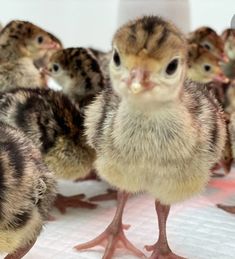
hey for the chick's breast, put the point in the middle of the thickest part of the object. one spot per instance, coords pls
(168, 153)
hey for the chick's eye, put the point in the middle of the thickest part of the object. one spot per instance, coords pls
(40, 39)
(116, 58)
(172, 67)
(207, 46)
(55, 67)
(207, 68)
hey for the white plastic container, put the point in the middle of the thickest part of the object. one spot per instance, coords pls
(178, 11)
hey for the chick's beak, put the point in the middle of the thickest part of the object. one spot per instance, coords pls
(224, 58)
(220, 77)
(45, 71)
(52, 45)
(139, 81)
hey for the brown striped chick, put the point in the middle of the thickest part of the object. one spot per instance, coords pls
(27, 192)
(231, 208)
(55, 125)
(205, 68)
(154, 131)
(209, 39)
(21, 73)
(78, 72)
(24, 39)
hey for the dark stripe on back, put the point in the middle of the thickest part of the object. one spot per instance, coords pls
(16, 158)
(20, 220)
(2, 188)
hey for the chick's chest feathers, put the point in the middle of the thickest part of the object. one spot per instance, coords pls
(168, 152)
(20, 73)
(27, 190)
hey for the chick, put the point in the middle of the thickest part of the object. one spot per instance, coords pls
(24, 39)
(230, 209)
(78, 72)
(154, 131)
(55, 125)
(27, 191)
(228, 37)
(20, 73)
(209, 39)
(229, 46)
(204, 67)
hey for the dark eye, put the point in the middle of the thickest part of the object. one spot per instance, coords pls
(55, 67)
(40, 39)
(116, 58)
(207, 68)
(172, 67)
(207, 46)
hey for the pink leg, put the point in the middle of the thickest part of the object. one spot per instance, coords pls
(229, 209)
(161, 249)
(113, 237)
(21, 252)
(76, 201)
(110, 195)
(92, 176)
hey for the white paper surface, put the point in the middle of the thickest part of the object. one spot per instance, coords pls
(196, 228)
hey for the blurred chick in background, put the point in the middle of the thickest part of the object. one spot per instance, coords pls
(78, 72)
(27, 192)
(55, 125)
(24, 39)
(210, 40)
(24, 47)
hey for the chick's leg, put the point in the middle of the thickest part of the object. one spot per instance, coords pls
(161, 249)
(109, 195)
(113, 237)
(21, 252)
(229, 209)
(77, 201)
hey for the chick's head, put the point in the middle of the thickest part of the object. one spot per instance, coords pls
(149, 60)
(204, 67)
(229, 43)
(76, 70)
(210, 40)
(32, 40)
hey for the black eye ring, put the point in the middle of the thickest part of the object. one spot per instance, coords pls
(40, 39)
(55, 67)
(116, 58)
(207, 68)
(172, 67)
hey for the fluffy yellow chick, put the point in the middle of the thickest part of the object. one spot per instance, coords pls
(154, 131)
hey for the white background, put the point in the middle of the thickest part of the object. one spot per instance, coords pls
(93, 22)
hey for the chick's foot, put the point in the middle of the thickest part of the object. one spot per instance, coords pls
(110, 195)
(113, 237)
(21, 252)
(76, 201)
(161, 249)
(229, 209)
